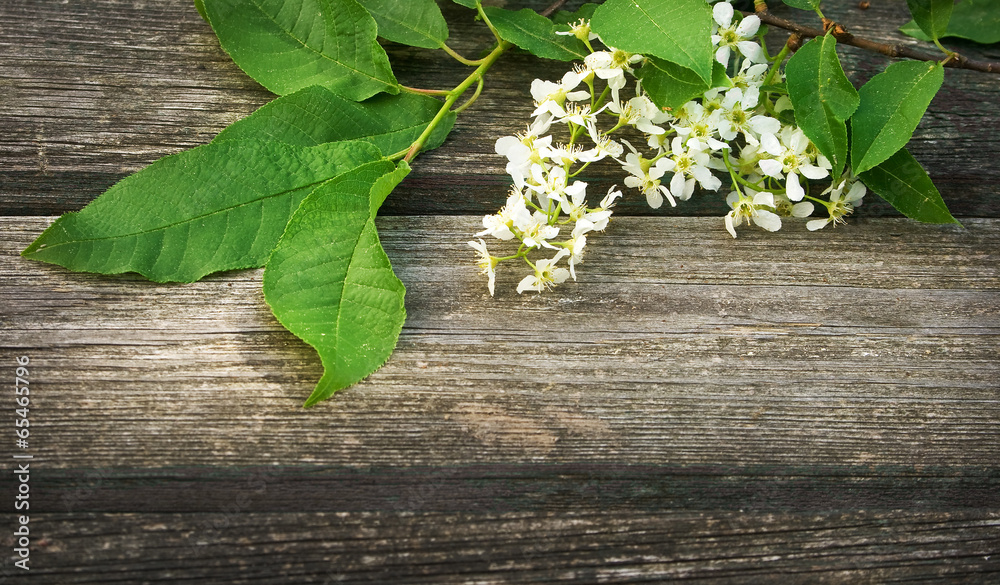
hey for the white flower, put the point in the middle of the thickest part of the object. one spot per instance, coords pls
(573, 199)
(603, 146)
(575, 246)
(750, 74)
(551, 97)
(729, 36)
(536, 232)
(486, 262)
(690, 165)
(611, 66)
(522, 151)
(645, 175)
(749, 208)
(610, 198)
(785, 208)
(563, 155)
(579, 115)
(697, 125)
(514, 213)
(581, 30)
(546, 274)
(737, 116)
(639, 112)
(747, 163)
(599, 218)
(841, 204)
(790, 161)
(551, 184)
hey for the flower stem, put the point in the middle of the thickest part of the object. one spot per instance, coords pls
(471, 100)
(732, 172)
(579, 170)
(778, 59)
(475, 77)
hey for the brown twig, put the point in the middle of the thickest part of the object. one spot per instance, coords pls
(552, 8)
(840, 33)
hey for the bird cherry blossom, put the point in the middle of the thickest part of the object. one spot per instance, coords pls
(738, 129)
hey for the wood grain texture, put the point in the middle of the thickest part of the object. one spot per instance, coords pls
(875, 345)
(495, 548)
(99, 89)
(791, 407)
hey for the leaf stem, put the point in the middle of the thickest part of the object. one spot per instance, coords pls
(951, 54)
(421, 91)
(459, 58)
(475, 77)
(486, 19)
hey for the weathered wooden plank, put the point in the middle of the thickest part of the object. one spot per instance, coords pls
(488, 548)
(873, 344)
(95, 90)
(518, 487)
(694, 408)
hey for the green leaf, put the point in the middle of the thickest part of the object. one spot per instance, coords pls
(823, 98)
(330, 282)
(670, 86)
(814, 75)
(975, 20)
(417, 23)
(892, 104)
(905, 185)
(315, 115)
(536, 34)
(931, 16)
(828, 133)
(678, 31)
(803, 4)
(216, 207)
(199, 5)
(467, 3)
(585, 12)
(287, 45)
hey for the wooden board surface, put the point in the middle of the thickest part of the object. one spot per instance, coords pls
(685, 373)
(99, 89)
(794, 407)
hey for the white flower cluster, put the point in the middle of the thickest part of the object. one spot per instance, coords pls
(740, 128)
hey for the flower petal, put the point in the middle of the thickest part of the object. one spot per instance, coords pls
(803, 209)
(771, 145)
(767, 220)
(817, 224)
(723, 13)
(764, 198)
(793, 189)
(722, 55)
(729, 224)
(654, 198)
(749, 27)
(813, 172)
(771, 167)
